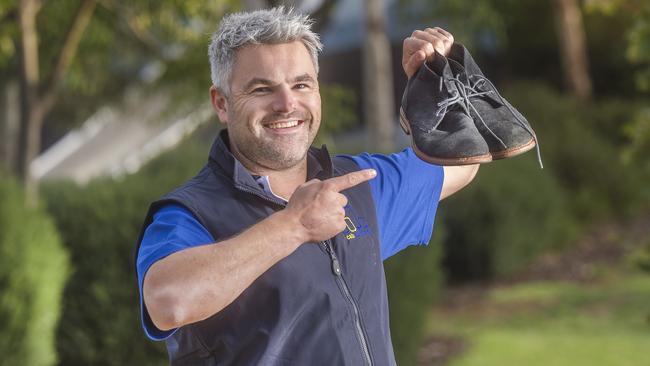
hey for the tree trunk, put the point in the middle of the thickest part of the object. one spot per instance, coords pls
(29, 79)
(378, 80)
(9, 125)
(573, 48)
(34, 107)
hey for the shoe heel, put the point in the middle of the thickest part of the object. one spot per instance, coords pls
(403, 123)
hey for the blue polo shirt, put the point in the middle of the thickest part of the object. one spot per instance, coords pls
(406, 192)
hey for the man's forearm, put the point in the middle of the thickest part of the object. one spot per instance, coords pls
(193, 284)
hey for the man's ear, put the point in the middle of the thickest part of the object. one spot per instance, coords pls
(219, 103)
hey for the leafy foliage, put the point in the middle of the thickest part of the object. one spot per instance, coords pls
(33, 269)
(510, 214)
(582, 141)
(339, 104)
(414, 278)
(637, 32)
(100, 224)
(126, 43)
(638, 132)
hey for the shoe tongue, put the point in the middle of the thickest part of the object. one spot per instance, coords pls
(456, 67)
(461, 55)
(439, 65)
(457, 53)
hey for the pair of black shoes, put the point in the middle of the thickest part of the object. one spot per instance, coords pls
(455, 115)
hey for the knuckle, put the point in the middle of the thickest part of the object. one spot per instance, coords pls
(309, 183)
(344, 200)
(327, 186)
(353, 179)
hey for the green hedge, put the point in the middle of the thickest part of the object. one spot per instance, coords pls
(582, 144)
(99, 224)
(414, 278)
(507, 216)
(33, 269)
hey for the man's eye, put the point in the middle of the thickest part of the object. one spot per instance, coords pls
(262, 89)
(301, 86)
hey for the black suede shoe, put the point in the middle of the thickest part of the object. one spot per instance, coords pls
(434, 115)
(506, 131)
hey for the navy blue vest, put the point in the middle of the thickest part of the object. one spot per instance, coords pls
(325, 304)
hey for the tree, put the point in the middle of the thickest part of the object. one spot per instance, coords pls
(144, 30)
(573, 47)
(378, 79)
(38, 98)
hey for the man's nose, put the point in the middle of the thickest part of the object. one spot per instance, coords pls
(284, 101)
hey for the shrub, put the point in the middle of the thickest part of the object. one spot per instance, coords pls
(507, 216)
(582, 145)
(100, 224)
(640, 257)
(33, 270)
(414, 278)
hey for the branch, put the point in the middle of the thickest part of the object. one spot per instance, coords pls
(68, 51)
(142, 34)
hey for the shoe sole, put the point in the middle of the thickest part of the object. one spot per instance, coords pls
(508, 153)
(481, 159)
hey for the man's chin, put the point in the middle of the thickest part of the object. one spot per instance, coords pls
(284, 161)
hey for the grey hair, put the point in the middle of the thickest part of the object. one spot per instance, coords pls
(269, 26)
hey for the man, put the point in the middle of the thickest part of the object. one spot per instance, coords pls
(272, 254)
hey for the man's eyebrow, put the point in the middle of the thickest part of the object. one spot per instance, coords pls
(257, 81)
(261, 81)
(303, 77)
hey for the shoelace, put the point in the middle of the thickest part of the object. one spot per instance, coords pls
(482, 79)
(462, 98)
(456, 98)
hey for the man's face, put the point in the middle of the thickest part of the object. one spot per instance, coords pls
(273, 111)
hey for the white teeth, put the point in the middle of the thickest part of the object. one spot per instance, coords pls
(277, 125)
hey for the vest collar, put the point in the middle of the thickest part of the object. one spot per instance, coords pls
(319, 163)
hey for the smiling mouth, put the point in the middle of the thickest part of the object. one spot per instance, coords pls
(283, 124)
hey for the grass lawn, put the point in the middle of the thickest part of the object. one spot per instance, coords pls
(603, 322)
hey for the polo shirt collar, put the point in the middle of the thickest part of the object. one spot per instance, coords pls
(319, 164)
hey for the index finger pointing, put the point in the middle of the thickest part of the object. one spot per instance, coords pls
(350, 180)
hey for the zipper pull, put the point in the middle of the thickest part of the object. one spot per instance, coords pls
(336, 267)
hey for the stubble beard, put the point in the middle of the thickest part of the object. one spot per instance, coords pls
(273, 154)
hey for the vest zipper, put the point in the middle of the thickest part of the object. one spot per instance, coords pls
(336, 269)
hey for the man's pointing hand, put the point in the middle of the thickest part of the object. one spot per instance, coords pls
(318, 205)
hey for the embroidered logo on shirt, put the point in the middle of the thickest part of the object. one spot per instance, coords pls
(356, 226)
